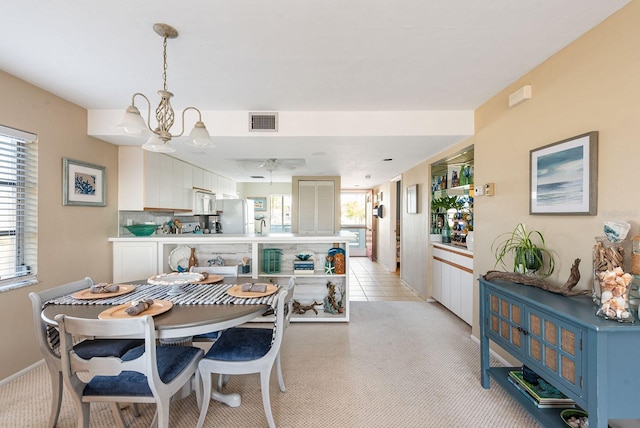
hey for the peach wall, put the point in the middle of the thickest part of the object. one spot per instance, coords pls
(591, 85)
(72, 241)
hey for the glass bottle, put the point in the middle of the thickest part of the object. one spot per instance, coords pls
(446, 231)
(192, 259)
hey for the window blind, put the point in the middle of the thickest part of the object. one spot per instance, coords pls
(18, 207)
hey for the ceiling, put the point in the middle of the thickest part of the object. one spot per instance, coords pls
(329, 59)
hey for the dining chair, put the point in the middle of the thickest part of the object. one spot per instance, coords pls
(145, 374)
(47, 339)
(245, 350)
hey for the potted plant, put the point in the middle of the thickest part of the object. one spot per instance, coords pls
(441, 206)
(528, 249)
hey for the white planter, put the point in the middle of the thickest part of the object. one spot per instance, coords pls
(470, 239)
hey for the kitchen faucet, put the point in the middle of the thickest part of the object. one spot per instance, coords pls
(262, 223)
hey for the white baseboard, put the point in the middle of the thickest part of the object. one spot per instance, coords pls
(21, 372)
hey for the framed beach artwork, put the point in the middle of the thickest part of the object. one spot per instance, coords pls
(564, 177)
(83, 184)
(259, 203)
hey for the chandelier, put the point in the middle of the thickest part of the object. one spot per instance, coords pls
(132, 122)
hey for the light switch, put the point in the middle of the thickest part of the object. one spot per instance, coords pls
(489, 189)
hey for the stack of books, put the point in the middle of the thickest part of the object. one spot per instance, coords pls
(303, 267)
(542, 395)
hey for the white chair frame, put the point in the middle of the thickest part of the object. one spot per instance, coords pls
(264, 365)
(51, 358)
(112, 366)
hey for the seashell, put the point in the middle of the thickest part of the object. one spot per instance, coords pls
(625, 315)
(609, 275)
(619, 291)
(606, 296)
(627, 278)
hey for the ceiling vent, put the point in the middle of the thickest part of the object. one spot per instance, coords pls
(263, 122)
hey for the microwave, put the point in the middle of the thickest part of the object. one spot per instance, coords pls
(204, 203)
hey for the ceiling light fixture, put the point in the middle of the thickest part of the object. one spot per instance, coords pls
(132, 122)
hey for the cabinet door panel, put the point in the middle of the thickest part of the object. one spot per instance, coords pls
(325, 207)
(307, 206)
(555, 347)
(436, 277)
(466, 297)
(133, 261)
(152, 179)
(455, 277)
(505, 322)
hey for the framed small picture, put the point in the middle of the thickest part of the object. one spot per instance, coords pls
(83, 184)
(412, 199)
(564, 177)
(259, 203)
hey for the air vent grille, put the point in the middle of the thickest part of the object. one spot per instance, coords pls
(263, 122)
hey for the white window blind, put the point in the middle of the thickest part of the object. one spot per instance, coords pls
(18, 207)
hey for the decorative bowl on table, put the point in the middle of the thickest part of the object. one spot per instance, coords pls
(175, 280)
(142, 229)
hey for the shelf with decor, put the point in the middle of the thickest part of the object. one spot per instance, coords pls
(142, 257)
(452, 188)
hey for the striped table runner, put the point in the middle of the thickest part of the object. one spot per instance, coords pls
(192, 294)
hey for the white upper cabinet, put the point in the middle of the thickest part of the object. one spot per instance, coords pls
(148, 180)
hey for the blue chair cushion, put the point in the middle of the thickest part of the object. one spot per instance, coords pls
(172, 360)
(214, 335)
(241, 344)
(88, 349)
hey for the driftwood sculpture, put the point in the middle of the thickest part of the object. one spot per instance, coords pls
(565, 290)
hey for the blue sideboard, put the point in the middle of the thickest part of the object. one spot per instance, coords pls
(592, 360)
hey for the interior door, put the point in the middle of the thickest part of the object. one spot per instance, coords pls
(369, 228)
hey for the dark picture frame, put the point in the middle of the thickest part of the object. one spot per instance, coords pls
(563, 177)
(412, 199)
(83, 184)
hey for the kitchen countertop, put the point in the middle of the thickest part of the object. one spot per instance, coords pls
(452, 247)
(233, 238)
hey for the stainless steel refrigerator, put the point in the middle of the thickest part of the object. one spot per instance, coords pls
(237, 216)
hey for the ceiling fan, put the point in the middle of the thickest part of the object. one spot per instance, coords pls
(273, 164)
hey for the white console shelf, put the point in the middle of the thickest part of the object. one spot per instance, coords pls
(135, 258)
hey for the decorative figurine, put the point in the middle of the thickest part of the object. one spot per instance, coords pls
(333, 301)
(328, 266)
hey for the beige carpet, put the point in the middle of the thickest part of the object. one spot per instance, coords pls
(396, 364)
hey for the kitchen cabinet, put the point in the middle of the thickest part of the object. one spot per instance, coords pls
(452, 280)
(134, 260)
(142, 257)
(316, 207)
(590, 359)
(155, 181)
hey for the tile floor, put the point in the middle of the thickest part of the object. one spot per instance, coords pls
(369, 281)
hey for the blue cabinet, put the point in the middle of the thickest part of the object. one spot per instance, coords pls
(592, 360)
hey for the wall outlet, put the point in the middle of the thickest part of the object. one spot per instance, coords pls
(478, 191)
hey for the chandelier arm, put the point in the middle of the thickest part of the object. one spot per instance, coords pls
(183, 112)
(133, 98)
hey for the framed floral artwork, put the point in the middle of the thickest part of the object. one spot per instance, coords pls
(83, 184)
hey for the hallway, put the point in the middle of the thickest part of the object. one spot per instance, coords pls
(369, 281)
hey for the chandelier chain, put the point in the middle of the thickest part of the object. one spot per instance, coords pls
(164, 69)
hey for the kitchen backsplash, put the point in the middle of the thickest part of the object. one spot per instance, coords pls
(156, 217)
